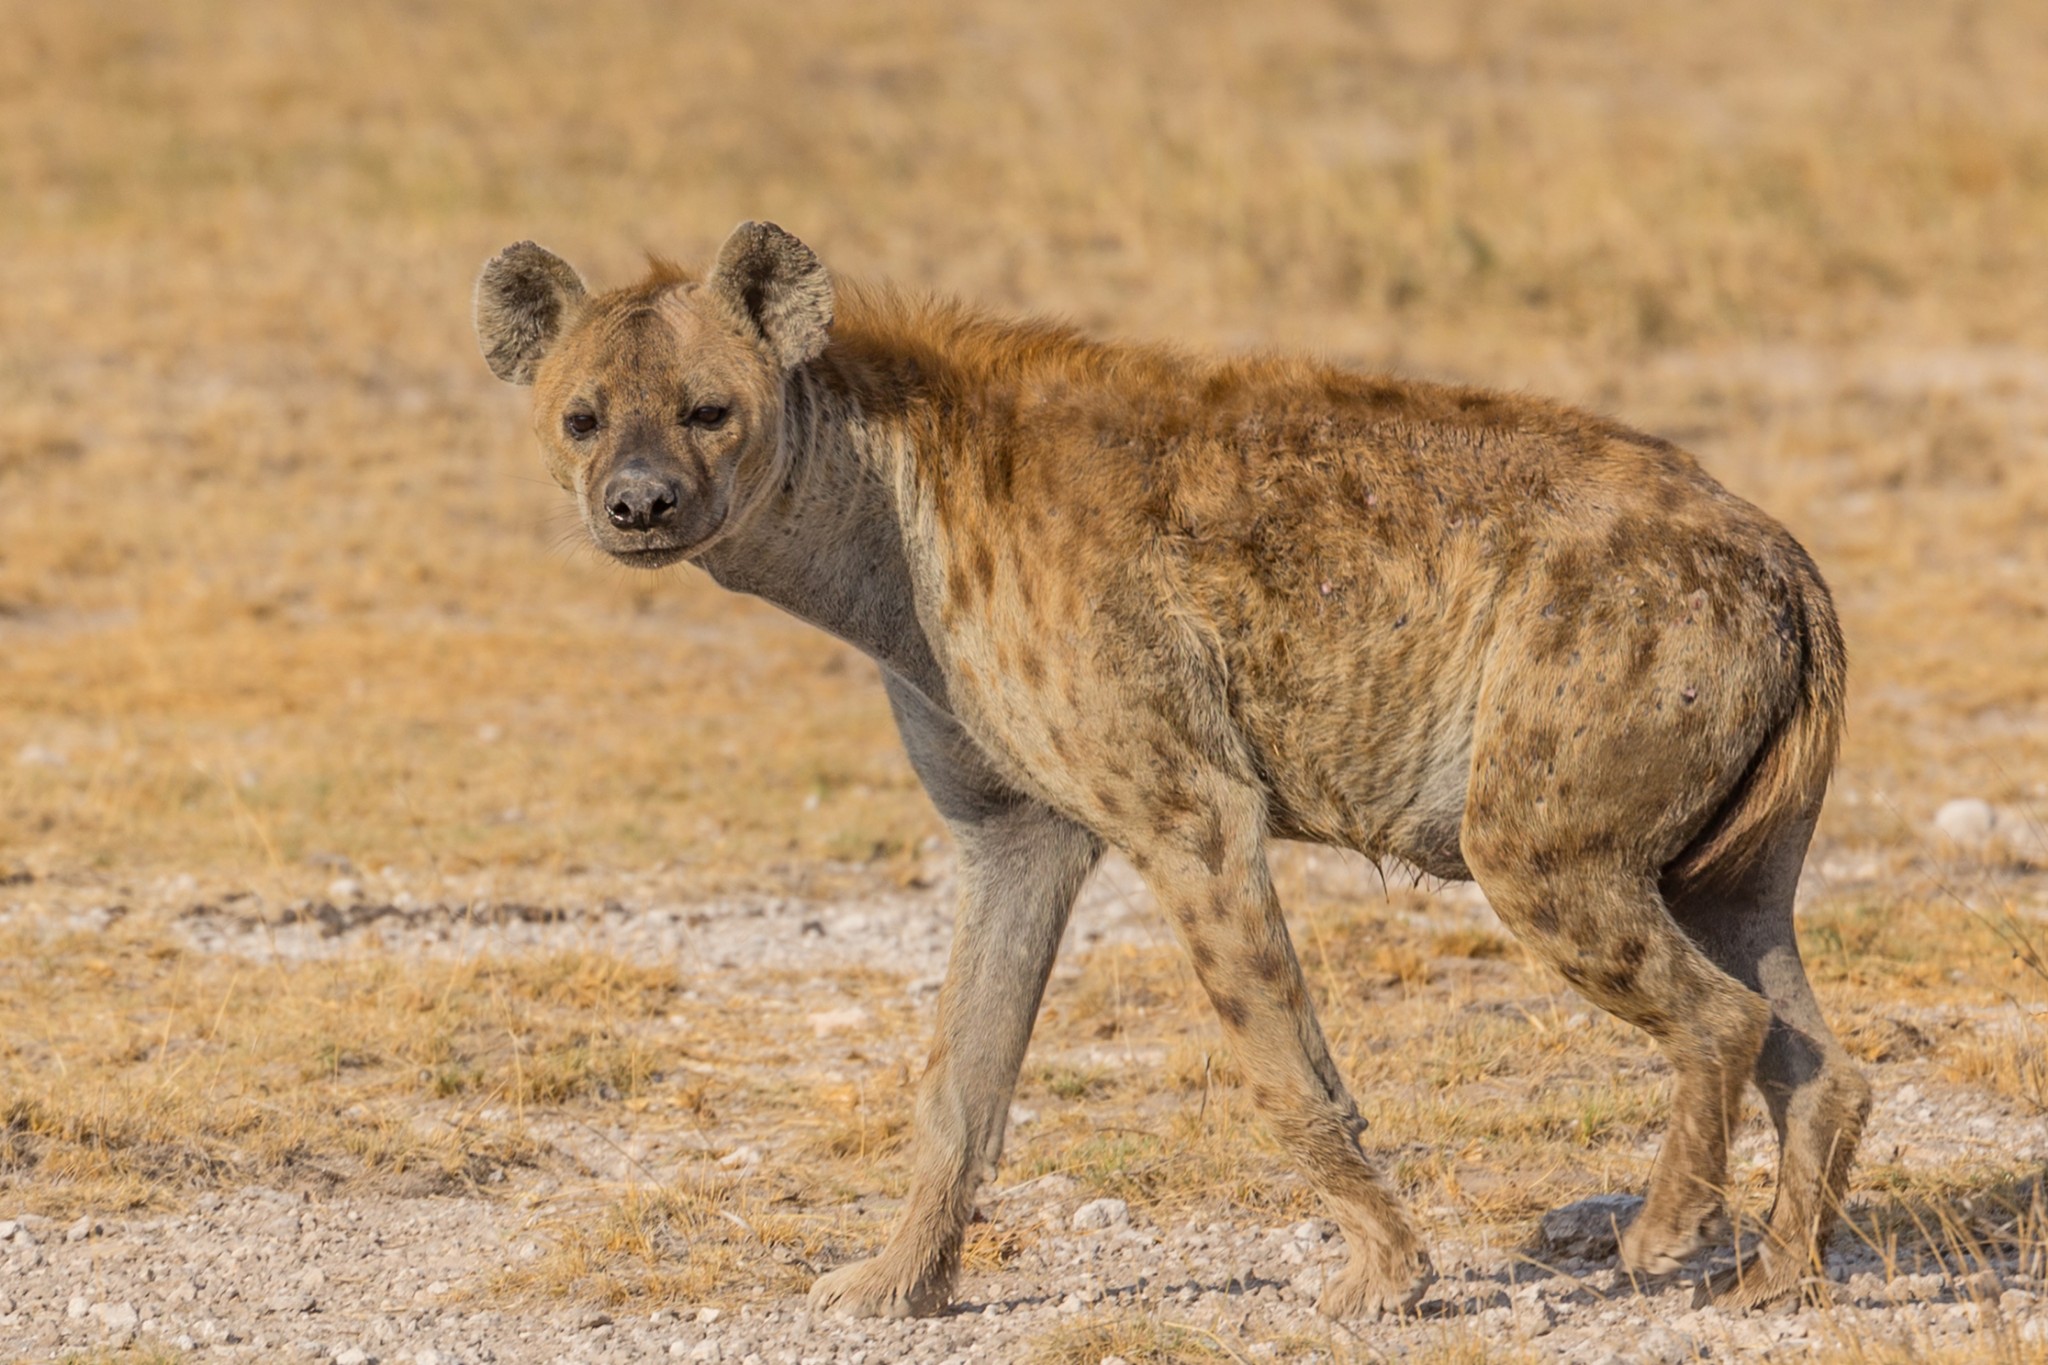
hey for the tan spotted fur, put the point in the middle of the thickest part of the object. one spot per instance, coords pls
(1124, 595)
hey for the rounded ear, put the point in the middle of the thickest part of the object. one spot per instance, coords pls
(778, 284)
(523, 296)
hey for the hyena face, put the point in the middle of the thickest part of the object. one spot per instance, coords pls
(660, 406)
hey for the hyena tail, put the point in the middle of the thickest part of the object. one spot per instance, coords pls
(1789, 774)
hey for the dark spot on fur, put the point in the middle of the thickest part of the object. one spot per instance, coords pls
(1032, 665)
(1543, 917)
(1231, 1011)
(1219, 904)
(984, 567)
(1199, 952)
(1212, 843)
(1617, 981)
(959, 593)
(1632, 952)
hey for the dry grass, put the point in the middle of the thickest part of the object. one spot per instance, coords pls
(281, 583)
(276, 572)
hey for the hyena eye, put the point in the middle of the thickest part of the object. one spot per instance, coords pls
(579, 424)
(709, 416)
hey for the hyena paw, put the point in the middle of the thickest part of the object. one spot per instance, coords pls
(1762, 1280)
(882, 1288)
(1654, 1251)
(1371, 1285)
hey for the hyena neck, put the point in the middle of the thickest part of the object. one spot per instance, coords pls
(827, 545)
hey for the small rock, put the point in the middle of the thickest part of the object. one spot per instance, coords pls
(427, 1355)
(7, 1227)
(79, 1306)
(1588, 1228)
(1662, 1346)
(707, 1316)
(1910, 1288)
(1967, 820)
(1985, 1284)
(1113, 1360)
(354, 1355)
(81, 1230)
(117, 1317)
(344, 889)
(705, 1350)
(825, 1023)
(1101, 1213)
(739, 1158)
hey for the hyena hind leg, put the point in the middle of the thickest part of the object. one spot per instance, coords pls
(1606, 930)
(1817, 1097)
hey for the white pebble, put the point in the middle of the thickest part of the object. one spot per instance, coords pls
(117, 1317)
(1101, 1213)
(825, 1023)
(1966, 820)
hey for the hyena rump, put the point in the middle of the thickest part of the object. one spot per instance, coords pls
(1125, 596)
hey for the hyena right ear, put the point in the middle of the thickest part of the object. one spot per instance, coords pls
(523, 296)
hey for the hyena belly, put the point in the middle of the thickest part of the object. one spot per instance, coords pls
(1358, 703)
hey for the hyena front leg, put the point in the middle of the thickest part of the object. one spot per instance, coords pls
(1021, 865)
(1209, 872)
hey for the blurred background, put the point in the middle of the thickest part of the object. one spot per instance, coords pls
(283, 587)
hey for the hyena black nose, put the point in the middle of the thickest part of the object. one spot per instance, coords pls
(638, 499)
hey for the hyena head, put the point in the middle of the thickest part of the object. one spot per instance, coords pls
(659, 406)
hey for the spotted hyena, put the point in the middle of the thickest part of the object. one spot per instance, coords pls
(1126, 596)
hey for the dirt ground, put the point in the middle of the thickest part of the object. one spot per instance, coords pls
(421, 941)
(584, 1242)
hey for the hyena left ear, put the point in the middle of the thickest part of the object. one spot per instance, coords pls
(777, 284)
(523, 296)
